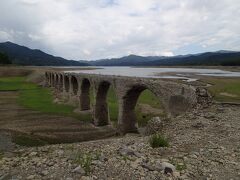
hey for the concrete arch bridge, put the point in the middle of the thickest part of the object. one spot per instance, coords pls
(177, 98)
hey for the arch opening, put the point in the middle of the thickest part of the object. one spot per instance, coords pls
(66, 83)
(74, 85)
(139, 105)
(85, 95)
(53, 79)
(56, 80)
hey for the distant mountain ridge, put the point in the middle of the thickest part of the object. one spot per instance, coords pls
(22, 55)
(222, 57)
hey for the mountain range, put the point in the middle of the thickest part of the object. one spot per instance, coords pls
(24, 56)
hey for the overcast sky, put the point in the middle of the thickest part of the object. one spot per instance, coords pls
(94, 29)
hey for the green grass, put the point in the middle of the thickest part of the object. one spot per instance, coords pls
(224, 85)
(38, 98)
(28, 141)
(112, 104)
(181, 167)
(15, 83)
(157, 140)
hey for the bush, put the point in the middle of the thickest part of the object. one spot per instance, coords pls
(85, 161)
(158, 140)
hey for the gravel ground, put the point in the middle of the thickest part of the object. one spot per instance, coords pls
(203, 145)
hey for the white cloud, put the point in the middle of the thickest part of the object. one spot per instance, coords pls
(96, 29)
(4, 36)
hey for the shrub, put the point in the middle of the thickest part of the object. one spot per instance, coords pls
(85, 161)
(157, 140)
(181, 166)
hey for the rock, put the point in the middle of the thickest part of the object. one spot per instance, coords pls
(125, 151)
(209, 115)
(176, 174)
(103, 158)
(167, 167)
(44, 173)
(85, 178)
(203, 97)
(198, 125)
(60, 152)
(148, 167)
(5, 177)
(220, 109)
(96, 162)
(33, 154)
(154, 125)
(79, 170)
(31, 177)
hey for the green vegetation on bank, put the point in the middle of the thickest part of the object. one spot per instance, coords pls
(224, 89)
(39, 98)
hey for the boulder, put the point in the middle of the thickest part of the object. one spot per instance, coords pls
(155, 125)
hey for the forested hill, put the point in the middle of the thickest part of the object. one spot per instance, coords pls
(218, 58)
(22, 55)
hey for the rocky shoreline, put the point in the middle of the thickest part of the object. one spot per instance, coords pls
(203, 145)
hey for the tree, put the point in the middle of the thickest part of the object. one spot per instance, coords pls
(4, 59)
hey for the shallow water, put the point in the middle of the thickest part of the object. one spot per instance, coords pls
(176, 73)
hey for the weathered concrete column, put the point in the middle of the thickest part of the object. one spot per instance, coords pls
(65, 94)
(85, 95)
(51, 79)
(127, 118)
(54, 80)
(101, 116)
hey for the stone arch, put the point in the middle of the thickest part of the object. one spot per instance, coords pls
(101, 114)
(85, 94)
(66, 83)
(74, 83)
(127, 118)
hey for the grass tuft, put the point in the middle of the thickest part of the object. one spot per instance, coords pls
(181, 167)
(157, 140)
(85, 160)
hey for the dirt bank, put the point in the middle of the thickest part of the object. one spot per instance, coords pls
(203, 145)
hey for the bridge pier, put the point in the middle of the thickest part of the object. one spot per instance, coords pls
(101, 114)
(127, 119)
